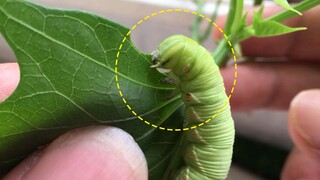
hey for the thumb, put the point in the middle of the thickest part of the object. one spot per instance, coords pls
(304, 128)
(96, 152)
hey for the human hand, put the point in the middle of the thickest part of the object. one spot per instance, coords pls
(283, 85)
(96, 152)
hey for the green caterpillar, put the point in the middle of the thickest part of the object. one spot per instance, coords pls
(208, 151)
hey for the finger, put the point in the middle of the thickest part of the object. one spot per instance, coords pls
(87, 153)
(304, 123)
(9, 79)
(269, 85)
(304, 126)
(300, 166)
(302, 45)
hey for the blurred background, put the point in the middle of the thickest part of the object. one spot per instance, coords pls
(262, 140)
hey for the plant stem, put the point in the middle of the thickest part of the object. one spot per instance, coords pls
(234, 16)
(231, 14)
(231, 26)
(213, 18)
(195, 27)
(238, 16)
(220, 53)
(257, 2)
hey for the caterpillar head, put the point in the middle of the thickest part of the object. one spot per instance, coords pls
(168, 52)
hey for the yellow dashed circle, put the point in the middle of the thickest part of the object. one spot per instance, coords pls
(117, 60)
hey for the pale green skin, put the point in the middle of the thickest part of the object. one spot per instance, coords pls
(208, 152)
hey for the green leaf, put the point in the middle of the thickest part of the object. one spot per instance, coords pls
(265, 28)
(243, 23)
(67, 61)
(244, 20)
(286, 5)
(273, 28)
(257, 16)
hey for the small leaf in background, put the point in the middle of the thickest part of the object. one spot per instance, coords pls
(285, 4)
(67, 61)
(244, 20)
(273, 28)
(265, 28)
(257, 16)
(243, 23)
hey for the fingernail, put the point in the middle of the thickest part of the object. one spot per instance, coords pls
(305, 116)
(96, 152)
(113, 140)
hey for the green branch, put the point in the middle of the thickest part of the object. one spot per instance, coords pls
(286, 14)
(222, 50)
(234, 16)
(231, 27)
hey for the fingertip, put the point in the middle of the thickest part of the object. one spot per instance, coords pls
(95, 152)
(304, 122)
(304, 125)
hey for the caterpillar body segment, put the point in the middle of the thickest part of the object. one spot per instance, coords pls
(208, 152)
